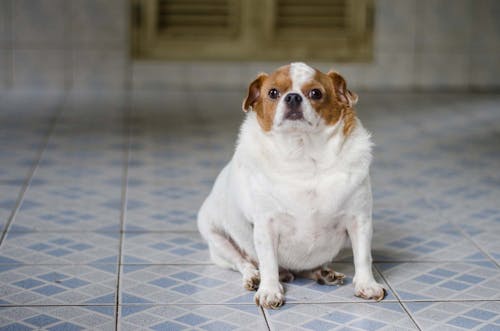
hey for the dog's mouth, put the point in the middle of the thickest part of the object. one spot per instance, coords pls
(294, 115)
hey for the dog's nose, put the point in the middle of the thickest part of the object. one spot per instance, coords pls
(293, 100)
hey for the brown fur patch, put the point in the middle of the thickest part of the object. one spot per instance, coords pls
(253, 94)
(233, 243)
(331, 107)
(264, 106)
(343, 100)
(327, 107)
(349, 118)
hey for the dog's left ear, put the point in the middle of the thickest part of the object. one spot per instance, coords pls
(340, 86)
(253, 92)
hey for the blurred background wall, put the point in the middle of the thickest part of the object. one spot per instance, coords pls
(84, 44)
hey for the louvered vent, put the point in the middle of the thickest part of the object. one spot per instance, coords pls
(195, 17)
(255, 30)
(310, 17)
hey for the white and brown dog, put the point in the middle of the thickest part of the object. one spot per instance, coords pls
(297, 186)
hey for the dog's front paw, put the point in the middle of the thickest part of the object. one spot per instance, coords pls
(270, 297)
(369, 290)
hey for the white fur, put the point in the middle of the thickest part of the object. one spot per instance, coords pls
(300, 73)
(290, 197)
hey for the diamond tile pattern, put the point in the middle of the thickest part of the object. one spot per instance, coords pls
(58, 284)
(189, 317)
(347, 316)
(161, 248)
(456, 315)
(105, 236)
(60, 248)
(57, 318)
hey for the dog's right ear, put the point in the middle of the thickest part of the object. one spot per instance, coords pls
(253, 92)
(340, 86)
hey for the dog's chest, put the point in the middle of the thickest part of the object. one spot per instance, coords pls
(309, 194)
(309, 241)
(312, 229)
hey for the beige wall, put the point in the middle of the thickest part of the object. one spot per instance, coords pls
(419, 44)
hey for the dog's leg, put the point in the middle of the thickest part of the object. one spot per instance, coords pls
(226, 253)
(324, 275)
(360, 232)
(270, 293)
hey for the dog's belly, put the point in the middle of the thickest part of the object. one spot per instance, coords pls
(309, 244)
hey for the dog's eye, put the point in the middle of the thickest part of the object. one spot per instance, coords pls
(315, 94)
(273, 93)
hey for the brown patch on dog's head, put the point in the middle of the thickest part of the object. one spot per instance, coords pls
(328, 107)
(258, 98)
(337, 101)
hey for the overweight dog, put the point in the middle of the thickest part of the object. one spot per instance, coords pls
(297, 188)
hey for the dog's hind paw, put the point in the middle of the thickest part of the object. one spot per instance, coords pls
(286, 276)
(251, 280)
(324, 275)
(327, 276)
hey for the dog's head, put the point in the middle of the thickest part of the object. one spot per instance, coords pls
(297, 97)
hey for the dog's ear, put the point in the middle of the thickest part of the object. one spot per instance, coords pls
(253, 92)
(340, 87)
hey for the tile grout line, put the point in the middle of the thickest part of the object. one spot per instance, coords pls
(243, 304)
(59, 109)
(266, 319)
(127, 130)
(398, 298)
(463, 233)
(466, 235)
(403, 304)
(123, 211)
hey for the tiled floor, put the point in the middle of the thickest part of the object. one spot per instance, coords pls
(99, 194)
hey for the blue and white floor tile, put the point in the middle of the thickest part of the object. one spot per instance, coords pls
(85, 236)
(24, 124)
(443, 281)
(8, 199)
(60, 248)
(191, 284)
(441, 242)
(75, 166)
(211, 285)
(17, 164)
(191, 317)
(83, 206)
(57, 318)
(456, 315)
(308, 291)
(345, 316)
(164, 248)
(57, 284)
(156, 215)
(489, 243)
(156, 206)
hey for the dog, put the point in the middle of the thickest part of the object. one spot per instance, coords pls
(296, 188)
